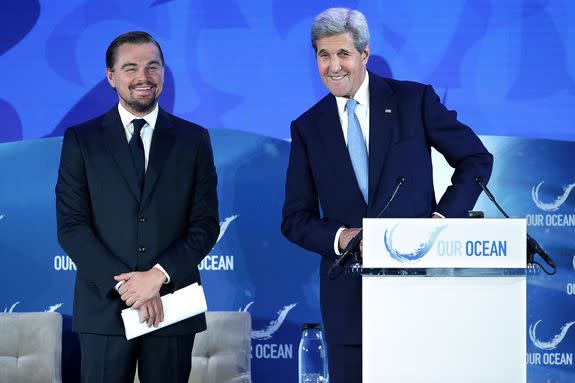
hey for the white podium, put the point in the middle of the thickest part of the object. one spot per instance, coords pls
(444, 300)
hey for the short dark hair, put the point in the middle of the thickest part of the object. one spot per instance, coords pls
(133, 37)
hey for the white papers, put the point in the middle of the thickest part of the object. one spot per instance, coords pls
(181, 304)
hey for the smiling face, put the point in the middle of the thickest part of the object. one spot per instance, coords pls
(138, 77)
(340, 65)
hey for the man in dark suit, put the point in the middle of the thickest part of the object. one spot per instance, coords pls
(348, 152)
(137, 211)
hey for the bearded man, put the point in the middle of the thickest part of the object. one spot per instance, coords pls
(137, 211)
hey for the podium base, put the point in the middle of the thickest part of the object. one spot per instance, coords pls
(444, 329)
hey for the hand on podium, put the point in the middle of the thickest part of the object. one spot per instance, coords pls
(346, 236)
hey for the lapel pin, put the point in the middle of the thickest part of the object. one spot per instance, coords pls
(387, 111)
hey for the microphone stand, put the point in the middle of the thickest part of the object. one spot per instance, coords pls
(352, 248)
(533, 246)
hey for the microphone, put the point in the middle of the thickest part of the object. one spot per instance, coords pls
(353, 245)
(532, 246)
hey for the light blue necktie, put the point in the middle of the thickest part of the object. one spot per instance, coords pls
(357, 149)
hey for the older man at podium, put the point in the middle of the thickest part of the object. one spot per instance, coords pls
(348, 154)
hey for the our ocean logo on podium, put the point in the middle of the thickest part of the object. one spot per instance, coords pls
(454, 242)
(415, 255)
(271, 350)
(552, 207)
(219, 262)
(549, 357)
(444, 248)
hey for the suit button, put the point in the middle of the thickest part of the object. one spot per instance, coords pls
(142, 219)
(141, 249)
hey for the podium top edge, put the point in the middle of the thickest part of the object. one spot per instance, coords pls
(474, 220)
(445, 272)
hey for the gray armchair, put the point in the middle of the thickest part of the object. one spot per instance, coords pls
(221, 354)
(31, 347)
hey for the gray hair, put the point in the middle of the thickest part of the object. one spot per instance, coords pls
(334, 21)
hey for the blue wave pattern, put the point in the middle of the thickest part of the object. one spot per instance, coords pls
(553, 343)
(17, 19)
(415, 255)
(556, 203)
(506, 66)
(264, 73)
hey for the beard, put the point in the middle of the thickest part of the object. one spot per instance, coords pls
(142, 107)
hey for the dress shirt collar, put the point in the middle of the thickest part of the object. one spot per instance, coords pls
(127, 117)
(361, 96)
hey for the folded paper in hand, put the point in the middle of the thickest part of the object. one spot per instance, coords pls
(181, 304)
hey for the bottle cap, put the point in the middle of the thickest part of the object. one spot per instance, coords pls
(312, 326)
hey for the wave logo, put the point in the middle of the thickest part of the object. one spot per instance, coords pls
(417, 253)
(551, 206)
(224, 226)
(48, 310)
(553, 343)
(268, 331)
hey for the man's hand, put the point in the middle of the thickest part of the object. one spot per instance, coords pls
(152, 311)
(139, 287)
(346, 236)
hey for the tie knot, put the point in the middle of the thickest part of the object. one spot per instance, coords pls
(351, 104)
(138, 125)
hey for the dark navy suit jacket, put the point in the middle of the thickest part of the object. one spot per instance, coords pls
(108, 226)
(322, 195)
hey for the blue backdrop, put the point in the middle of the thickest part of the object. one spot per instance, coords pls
(245, 70)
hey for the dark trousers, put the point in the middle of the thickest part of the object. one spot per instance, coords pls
(344, 363)
(113, 359)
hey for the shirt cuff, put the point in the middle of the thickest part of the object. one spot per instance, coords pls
(438, 214)
(159, 267)
(336, 242)
(117, 287)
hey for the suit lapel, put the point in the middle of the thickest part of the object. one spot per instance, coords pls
(337, 154)
(383, 128)
(162, 142)
(115, 138)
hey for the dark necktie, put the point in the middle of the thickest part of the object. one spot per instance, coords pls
(137, 150)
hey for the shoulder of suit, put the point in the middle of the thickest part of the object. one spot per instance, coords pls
(316, 110)
(90, 126)
(184, 131)
(398, 87)
(181, 125)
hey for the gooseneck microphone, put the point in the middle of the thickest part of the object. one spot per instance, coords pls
(532, 246)
(353, 245)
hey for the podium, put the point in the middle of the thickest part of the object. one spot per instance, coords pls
(444, 300)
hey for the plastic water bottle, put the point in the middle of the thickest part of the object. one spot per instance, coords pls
(312, 357)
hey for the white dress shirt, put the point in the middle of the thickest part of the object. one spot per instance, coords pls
(147, 130)
(362, 113)
(146, 134)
